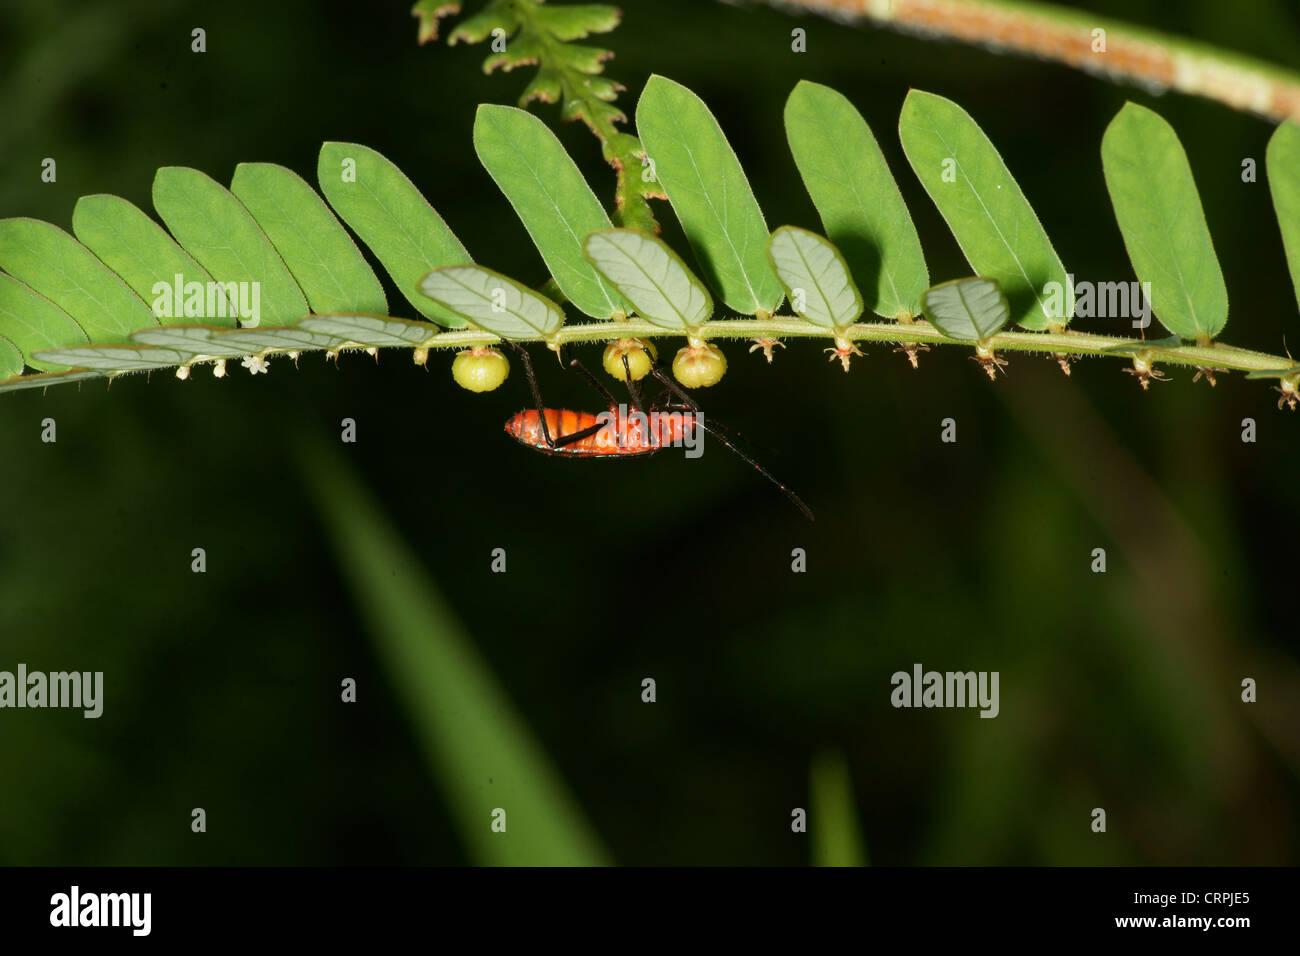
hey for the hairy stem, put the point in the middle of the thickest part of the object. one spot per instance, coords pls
(1065, 343)
(1130, 54)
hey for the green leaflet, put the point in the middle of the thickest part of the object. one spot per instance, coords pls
(477, 745)
(572, 76)
(1283, 164)
(46, 379)
(33, 322)
(292, 339)
(113, 358)
(188, 342)
(218, 231)
(815, 277)
(371, 330)
(969, 310)
(552, 198)
(651, 277)
(984, 207)
(384, 208)
(709, 192)
(492, 301)
(429, 12)
(575, 21)
(52, 263)
(861, 209)
(832, 813)
(320, 254)
(1160, 215)
(11, 360)
(137, 249)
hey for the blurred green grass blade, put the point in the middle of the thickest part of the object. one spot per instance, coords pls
(833, 814)
(32, 322)
(984, 207)
(1283, 164)
(492, 301)
(11, 360)
(319, 253)
(214, 227)
(139, 250)
(969, 310)
(815, 278)
(710, 194)
(1160, 216)
(476, 745)
(392, 217)
(651, 276)
(371, 330)
(552, 199)
(52, 263)
(861, 208)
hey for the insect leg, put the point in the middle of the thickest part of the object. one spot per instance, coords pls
(537, 393)
(565, 440)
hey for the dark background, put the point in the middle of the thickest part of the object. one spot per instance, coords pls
(1118, 691)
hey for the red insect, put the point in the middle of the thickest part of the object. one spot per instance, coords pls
(608, 435)
(620, 433)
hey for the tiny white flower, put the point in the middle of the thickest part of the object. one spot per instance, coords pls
(183, 372)
(219, 368)
(255, 364)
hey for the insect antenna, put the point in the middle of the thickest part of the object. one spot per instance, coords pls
(736, 450)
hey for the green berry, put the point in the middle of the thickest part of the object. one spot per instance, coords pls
(480, 369)
(641, 355)
(699, 366)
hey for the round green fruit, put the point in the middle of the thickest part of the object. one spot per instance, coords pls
(699, 366)
(641, 355)
(480, 369)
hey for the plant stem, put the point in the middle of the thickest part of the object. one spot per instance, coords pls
(1131, 54)
(919, 332)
